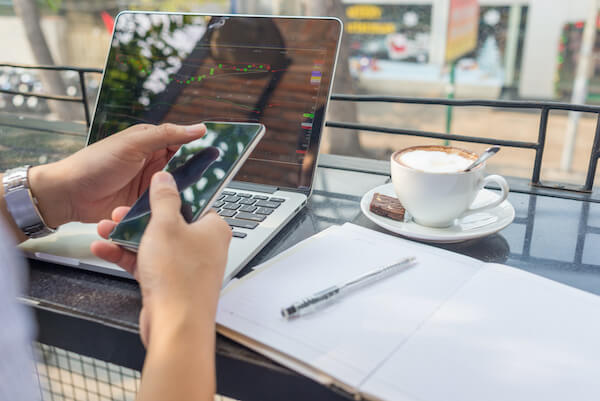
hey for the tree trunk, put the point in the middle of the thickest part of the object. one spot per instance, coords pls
(28, 11)
(342, 142)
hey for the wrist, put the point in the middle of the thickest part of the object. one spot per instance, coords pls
(47, 184)
(171, 320)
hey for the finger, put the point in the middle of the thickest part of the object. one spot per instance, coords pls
(105, 227)
(214, 224)
(119, 212)
(163, 136)
(135, 128)
(115, 254)
(173, 149)
(164, 198)
(150, 169)
(139, 127)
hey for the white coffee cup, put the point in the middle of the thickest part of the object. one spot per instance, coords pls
(432, 185)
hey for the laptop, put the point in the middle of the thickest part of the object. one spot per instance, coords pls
(188, 68)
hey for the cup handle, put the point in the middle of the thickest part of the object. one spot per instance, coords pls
(503, 194)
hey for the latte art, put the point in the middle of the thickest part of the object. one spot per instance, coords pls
(434, 161)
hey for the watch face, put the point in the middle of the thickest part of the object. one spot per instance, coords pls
(15, 178)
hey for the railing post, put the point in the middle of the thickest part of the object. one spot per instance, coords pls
(582, 231)
(591, 173)
(86, 108)
(539, 151)
(529, 226)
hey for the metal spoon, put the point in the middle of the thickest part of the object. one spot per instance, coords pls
(484, 156)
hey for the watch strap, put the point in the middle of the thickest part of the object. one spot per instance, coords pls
(22, 205)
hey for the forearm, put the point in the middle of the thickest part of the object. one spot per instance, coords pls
(180, 363)
(49, 186)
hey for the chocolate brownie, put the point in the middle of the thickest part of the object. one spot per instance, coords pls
(387, 206)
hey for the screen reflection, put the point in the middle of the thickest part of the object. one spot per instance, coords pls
(187, 68)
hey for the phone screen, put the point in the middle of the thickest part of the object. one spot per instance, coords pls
(201, 169)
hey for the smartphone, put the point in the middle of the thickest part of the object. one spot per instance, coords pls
(201, 169)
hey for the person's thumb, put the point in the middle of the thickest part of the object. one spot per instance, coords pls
(164, 197)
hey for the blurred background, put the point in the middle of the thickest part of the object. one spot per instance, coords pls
(525, 49)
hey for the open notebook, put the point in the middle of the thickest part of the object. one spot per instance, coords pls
(449, 328)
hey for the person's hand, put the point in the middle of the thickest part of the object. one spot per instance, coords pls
(179, 266)
(89, 184)
(180, 269)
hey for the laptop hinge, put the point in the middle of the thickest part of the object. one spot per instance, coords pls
(248, 186)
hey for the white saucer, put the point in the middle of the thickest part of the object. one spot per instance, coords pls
(474, 226)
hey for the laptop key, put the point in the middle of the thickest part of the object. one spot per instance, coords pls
(228, 193)
(218, 204)
(279, 200)
(264, 203)
(227, 213)
(232, 198)
(248, 208)
(221, 197)
(241, 223)
(250, 216)
(243, 195)
(264, 210)
(261, 197)
(232, 206)
(247, 202)
(237, 234)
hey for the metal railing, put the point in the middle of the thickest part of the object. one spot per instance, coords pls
(538, 146)
(544, 107)
(68, 376)
(81, 73)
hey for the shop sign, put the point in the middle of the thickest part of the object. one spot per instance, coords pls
(463, 21)
(370, 28)
(363, 11)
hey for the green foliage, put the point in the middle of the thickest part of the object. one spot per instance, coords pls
(128, 71)
(54, 4)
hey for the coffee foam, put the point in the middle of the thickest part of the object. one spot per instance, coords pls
(435, 161)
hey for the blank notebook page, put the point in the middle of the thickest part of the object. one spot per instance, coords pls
(506, 335)
(350, 339)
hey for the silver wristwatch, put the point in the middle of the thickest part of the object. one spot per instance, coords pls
(22, 205)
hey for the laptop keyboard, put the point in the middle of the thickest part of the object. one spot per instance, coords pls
(243, 210)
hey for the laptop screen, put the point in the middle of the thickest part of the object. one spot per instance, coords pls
(185, 68)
